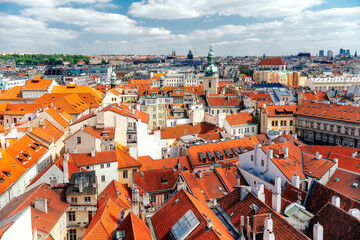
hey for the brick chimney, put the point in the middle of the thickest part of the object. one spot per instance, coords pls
(276, 197)
(41, 204)
(335, 200)
(318, 232)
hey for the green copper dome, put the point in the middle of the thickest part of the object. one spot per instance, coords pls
(211, 70)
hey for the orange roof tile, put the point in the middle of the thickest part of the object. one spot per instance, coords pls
(57, 117)
(134, 228)
(281, 110)
(156, 180)
(329, 111)
(224, 101)
(188, 129)
(104, 221)
(42, 221)
(21, 108)
(344, 181)
(240, 119)
(272, 61)
(38, 83)
(117, 192)
(147, 163)
(176, 207)
(13, 93)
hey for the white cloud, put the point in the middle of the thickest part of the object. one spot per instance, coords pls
(53, 3)
(309, 31)
(175, 9)
(20, 33)
(93, 21)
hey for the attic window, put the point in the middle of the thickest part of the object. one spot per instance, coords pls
(220, 189)
(7, 172)
(2, 180)
(186, 224)
(310, 172)
(207, 174)
(355, 185)
(336, 179)
(164, 179)
(203, 192)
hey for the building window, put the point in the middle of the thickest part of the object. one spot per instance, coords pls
(273, 123)
(134, 170)
(71, 216)
(102, 166)
(78, 140)
(74, 199)
(103, 178)
(262, 162)
(252, 157)
(166, 196)
(291, 122)
(125, 174)
(209, 84)
(153, 199)
(253, 129)
(72, 234)
(108, 165)
(87, 199)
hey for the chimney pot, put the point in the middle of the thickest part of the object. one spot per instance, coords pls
(336, 201)
(209, 223)
(295, 180)
(199, 173)
(41, 204)
(318, 232)
(93, 151)
(355, 212)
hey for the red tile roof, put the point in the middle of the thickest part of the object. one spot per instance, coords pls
(268, 201)
(319, 96)
(342, 181)
(13, 93)
(130, 112)
(293, 194)
(147, 163)
(156, 180)
(42, 221)
(104, 221)
(117, 192)
(240, 119)
(280, 110)
(320, 194)
(272, 61)
(329, 111)
(337, 223)
(188, 129)
(245, 142)
(232, 205)
(224, 101)
(134, 228)
(38, 83)
(176, 207)
(124, 160)
(21, 108)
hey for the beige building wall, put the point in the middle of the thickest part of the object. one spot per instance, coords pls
(277, 123)
(88, 142)
(59, 230)
(127, 180)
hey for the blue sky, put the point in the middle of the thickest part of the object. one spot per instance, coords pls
(237, 27)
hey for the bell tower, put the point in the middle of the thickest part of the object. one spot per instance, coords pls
(211, 79)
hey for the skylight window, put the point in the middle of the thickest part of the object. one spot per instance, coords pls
(336, 179)
(355, 185)
(184, 226)
(220, 189)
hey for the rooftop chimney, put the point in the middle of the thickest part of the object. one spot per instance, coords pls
(355, 212)
(146, 199)
(81, 187)
(268, 235)
(41, 204)
(53, 182)
(318, 156)
(243, 192)
(269, 155)
(178, 165)
(66, 168)
(295, 180)
(209, 223)
(336, 160)
(258, 190)
(276, 197)
(286, 152)
(318, 232)
(93, 151)
(238, 181)
(335, 200)
(269, 224)
(199, 173)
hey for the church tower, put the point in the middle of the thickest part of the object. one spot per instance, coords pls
(211, 79)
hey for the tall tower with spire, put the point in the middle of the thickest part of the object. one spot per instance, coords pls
(211, 80)
(113, 80)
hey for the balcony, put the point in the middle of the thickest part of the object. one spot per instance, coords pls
(131, 130)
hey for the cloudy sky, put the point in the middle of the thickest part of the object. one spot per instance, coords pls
(237, 27)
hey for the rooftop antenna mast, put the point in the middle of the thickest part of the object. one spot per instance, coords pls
(195, 50)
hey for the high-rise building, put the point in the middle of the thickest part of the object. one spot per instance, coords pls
(330, 53)
(347, 53)
(321, 53)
